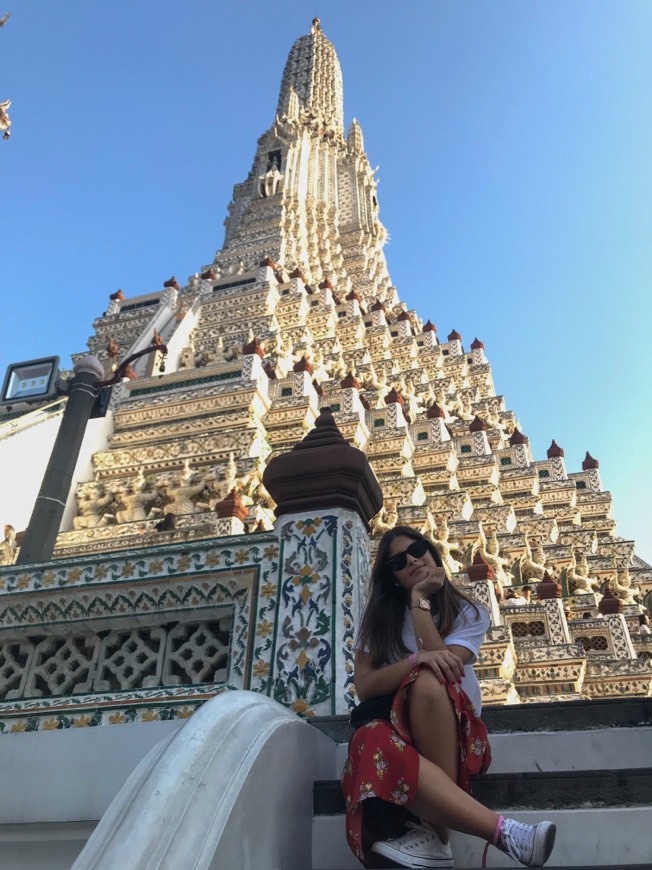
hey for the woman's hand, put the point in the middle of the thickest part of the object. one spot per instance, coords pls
(429, 585)
(447, 666)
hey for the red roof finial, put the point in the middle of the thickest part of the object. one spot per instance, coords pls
(476, 344)
(555, 450)
(589, 462)
(454, 336)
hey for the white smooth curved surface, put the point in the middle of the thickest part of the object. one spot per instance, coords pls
(231, 788)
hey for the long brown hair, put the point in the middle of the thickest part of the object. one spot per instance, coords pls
(382, 623)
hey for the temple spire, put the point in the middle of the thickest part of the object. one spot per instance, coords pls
(313, 71)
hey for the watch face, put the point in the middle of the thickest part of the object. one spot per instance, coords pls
(424, 604)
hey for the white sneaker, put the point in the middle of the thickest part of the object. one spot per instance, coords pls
(529, 844)
(420, 846)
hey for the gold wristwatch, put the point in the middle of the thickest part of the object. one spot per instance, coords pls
(423, 604)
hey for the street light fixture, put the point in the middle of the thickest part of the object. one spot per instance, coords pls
(33, 380)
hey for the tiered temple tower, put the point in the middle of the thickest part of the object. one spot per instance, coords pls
(182, 580)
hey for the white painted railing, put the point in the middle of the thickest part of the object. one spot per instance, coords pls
(231, 788)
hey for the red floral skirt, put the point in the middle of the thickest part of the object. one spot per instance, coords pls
(382, 769)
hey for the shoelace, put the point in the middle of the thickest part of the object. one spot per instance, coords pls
(518, 837)
(494, 840)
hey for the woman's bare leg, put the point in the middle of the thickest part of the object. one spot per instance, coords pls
(441, 802)
(433, 724)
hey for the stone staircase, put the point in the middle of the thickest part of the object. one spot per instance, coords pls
(586, 765)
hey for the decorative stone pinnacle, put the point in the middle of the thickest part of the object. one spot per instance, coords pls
(209, 275)
(477, 425)
(350, 381)
(323, 471)
(317, 387)
(326, 285)
(555, 451)
(548, 588)
(297, 273)
(589, 462)
(232, 506)
(172, 282)
(254, 347)
(394, 397)
(454, 336)
(303, 365)
(352, 295)
(267, 261)
(479, 569)
(434, 411)
(517, 437)
(476, 344)
(429, 327)
(402, 316)
(118, 296)
(610, 604)
(378, 306)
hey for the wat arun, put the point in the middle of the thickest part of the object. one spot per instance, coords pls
(180, 572)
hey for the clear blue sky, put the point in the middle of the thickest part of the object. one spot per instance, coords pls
(514, 143)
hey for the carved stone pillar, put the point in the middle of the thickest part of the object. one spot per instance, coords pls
(326, 493)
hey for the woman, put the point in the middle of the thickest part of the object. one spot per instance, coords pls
(417, 643)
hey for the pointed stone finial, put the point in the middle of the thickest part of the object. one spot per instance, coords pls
(297, 273)
(547, 588)
(454, 336)
(209, 275)
(478, 425)
(313, 71)
(323, 471)
(589, 462)
(267, 261)
(517, 437)
(317, 387)
(253, 347)
(350, 382)
(232, 506)
(476, 344)
(172, 282)
(402, 316)
(434, 411)
(351, 296)
(610, 604)
(429, 327)
(479, 569)
(394, 397)
(555, 451)
(303, 365)
(378, 306)
(326, 285)
(118, 296)
(354, 138)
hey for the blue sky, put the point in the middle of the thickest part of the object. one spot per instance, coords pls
(514, 143)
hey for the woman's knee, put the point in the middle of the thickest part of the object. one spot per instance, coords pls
(427, 688)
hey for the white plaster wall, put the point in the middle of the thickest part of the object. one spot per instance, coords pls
(71, 775)
(24, 458)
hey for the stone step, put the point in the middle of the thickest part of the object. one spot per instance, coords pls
(536, 791)
(586, 838)
(524, 752)
(537, 717)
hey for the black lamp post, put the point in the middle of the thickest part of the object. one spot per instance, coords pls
(43, 528)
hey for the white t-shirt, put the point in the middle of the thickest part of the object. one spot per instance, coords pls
(469, 630)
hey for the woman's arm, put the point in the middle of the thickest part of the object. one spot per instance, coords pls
(369, 681)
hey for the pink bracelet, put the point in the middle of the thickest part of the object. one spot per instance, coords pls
(414, 660)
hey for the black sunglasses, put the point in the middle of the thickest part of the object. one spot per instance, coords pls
(399, 561)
